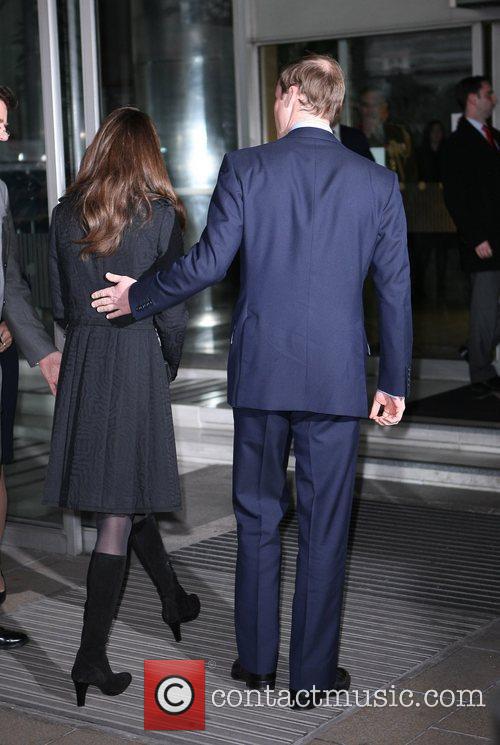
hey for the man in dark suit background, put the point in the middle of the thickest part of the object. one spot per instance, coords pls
(310, 218)
(354, 139)
(471, 180)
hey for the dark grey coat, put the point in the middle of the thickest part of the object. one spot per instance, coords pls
(113, 447)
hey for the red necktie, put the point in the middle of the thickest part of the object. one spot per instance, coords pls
(489, 136)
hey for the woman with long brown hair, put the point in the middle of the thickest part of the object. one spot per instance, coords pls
(113, 448)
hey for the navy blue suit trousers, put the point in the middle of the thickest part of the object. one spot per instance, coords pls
(325, 448)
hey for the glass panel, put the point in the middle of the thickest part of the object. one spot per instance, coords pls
(400, 84)
(400, 92)
(22, 167)
(68, 16)
(174, 60)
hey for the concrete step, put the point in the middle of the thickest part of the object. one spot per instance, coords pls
(445, 455)
(425, 466)
(465, 444)
(439, 467)
(480, 439)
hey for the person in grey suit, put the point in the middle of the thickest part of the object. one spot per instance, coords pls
(19, 321)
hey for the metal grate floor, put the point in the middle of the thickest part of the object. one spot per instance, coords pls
(418, 580)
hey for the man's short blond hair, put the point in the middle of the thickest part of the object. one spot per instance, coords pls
(321, 85)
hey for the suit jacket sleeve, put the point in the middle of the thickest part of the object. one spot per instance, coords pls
(462, 198)
(19, 313)
(208, 260)
(55, 279)
(391, 275)
(170, 323)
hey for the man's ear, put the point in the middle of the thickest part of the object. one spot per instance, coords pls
(290, 96)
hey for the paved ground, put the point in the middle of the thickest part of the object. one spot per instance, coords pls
(474, 663)
(478, 662)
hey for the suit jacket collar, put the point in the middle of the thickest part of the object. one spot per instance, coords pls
(467, 129)
(315, 133)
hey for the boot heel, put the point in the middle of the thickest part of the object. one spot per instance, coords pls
(81, 692)
(176, 631)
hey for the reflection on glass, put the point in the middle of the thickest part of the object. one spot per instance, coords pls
(22, 159)
(174, 60)
(68, 15)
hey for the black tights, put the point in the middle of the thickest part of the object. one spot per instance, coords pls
(113, 532)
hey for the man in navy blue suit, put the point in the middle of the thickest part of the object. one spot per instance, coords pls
(310, 219)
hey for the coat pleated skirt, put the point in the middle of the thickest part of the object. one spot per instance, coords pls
(113, 447)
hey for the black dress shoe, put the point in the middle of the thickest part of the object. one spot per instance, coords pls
(494, 384)
(12, 639)
(309, 699)
(253, 680)
(481, 390)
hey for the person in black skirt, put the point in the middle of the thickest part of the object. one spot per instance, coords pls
(113, 448)
(9, 364)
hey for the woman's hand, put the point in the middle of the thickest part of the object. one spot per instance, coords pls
(5, 337)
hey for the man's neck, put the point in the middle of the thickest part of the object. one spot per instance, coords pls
(309, 121)
(475, 116)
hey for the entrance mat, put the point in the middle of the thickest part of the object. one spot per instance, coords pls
(418, 580)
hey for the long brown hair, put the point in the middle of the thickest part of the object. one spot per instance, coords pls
(121, 173)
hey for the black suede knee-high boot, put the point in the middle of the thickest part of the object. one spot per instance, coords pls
(104, 582)
(178, 606)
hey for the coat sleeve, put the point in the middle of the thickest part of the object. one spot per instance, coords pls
(170, 323)
(208, 260)
(391, 276)
(55, 279)
(19, 313)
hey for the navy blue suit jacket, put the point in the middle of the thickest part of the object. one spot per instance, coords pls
(310, 219)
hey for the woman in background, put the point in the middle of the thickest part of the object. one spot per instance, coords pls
(433, 244)
(113, 449)
(430, 152)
